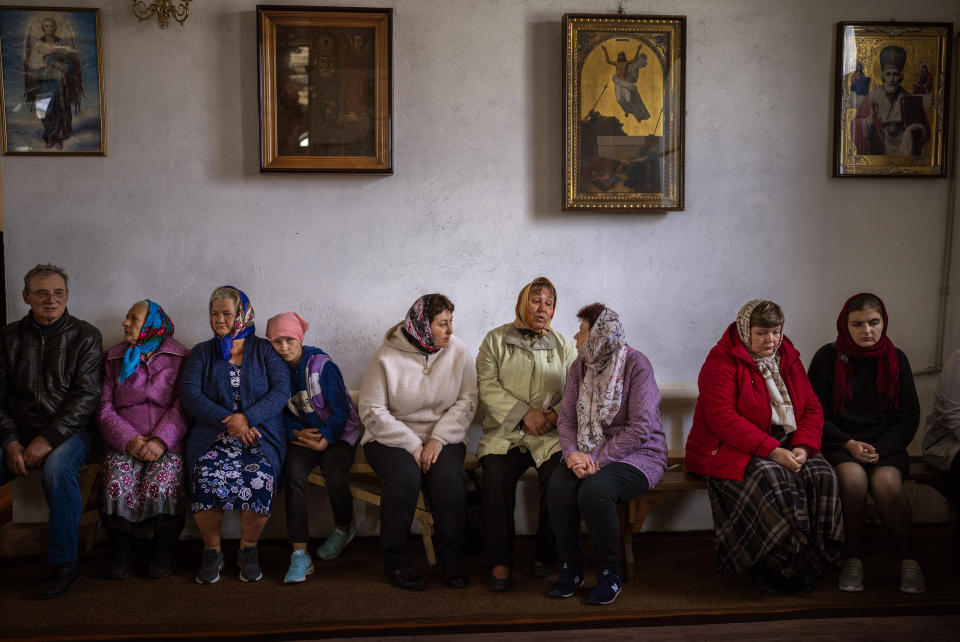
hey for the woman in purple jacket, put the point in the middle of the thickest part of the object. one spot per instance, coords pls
(143, 424)
(613, 446)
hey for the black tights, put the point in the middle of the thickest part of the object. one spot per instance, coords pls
(885, 485)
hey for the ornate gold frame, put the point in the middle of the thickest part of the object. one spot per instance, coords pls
(858, 151)
(662, 185)
(269, 18)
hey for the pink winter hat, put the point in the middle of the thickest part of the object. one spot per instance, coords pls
(287, 324)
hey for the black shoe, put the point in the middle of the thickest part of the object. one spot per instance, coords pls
(407, 579)
(767, 581)
(541, 571)
(121, 560)
(161, 564)
(499, 584)
(57, 583)
(453, 574)
(803, 583)
(165, 539)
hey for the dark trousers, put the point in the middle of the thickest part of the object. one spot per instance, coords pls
(499, 498)
(402, 480)
(335, 462)
(595, 499)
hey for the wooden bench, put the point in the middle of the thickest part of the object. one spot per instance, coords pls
(676, 481)
(89, 516)
(367, 487)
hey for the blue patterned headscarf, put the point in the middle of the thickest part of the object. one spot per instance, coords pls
(156, 327)
(242, 327)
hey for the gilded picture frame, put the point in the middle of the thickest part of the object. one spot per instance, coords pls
(624, 85)
(51, 78)
(325, 89)
(892, 99)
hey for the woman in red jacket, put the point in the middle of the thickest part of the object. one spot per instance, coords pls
(755, 437)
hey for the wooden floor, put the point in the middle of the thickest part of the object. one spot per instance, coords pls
(932, 628)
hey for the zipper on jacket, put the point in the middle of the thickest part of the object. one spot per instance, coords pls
(426, 364)
(717, 448)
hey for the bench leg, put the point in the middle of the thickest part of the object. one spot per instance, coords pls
(426, 529)
(626, 540)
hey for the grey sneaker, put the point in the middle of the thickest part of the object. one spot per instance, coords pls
(249, 564)
(851, 576)
(210, 565)
(335, 544)
(911, 577)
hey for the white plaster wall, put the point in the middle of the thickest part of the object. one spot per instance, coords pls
(474, 208)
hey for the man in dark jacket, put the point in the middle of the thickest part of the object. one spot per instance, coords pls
(51, 375)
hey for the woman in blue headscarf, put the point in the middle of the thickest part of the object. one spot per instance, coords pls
(143, 423)
(235, 386)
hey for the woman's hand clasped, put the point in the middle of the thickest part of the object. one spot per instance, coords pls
(538, 422)
(239, 427)
(787, 459)
(581, 465)
(429, 453)
(862, 451)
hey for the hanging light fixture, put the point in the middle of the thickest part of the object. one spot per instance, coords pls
(163, 9)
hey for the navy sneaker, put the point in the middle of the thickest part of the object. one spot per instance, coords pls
(570, 579)
(607, 588)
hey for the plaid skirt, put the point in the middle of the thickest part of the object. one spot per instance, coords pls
(790, 522)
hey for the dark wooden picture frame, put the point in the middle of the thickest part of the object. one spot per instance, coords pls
(326, 99)
(52, 82)
(624, 84)
(892, 99)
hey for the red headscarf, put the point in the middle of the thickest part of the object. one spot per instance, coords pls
(888, 369)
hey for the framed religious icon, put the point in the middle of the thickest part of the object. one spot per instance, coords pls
(892, 90)
(52, 81)
(325, 89)
(624, 112)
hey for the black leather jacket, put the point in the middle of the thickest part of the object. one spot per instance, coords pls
(50, 378)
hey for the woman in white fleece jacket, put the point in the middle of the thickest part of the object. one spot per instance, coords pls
(417, 399)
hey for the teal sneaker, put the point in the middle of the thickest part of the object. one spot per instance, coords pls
(300, 567)
(335, 544)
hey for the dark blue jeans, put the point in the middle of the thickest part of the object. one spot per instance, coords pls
(593, 498)
(61, 486)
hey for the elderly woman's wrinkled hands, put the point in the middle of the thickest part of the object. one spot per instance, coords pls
(862, 451)
(429, 453)
(801, 454)
(581, 465)
(536, 422)
(310, 438)
(134, 447)
(786, 459)
(152, 449)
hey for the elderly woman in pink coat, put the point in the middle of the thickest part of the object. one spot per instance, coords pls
(143, 424)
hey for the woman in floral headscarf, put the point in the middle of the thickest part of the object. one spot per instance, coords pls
(235, 386)
(871, 414)
(613, 447)
(143, 423)
(417, 399)
(755, 437)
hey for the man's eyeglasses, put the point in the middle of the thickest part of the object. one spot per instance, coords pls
(43, 295)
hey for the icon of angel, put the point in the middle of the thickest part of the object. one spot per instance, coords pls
(53, 82)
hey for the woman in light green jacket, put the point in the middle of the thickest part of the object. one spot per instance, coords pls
(521, 370)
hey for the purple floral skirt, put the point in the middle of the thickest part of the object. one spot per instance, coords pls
(138, 490)
(232, 476)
